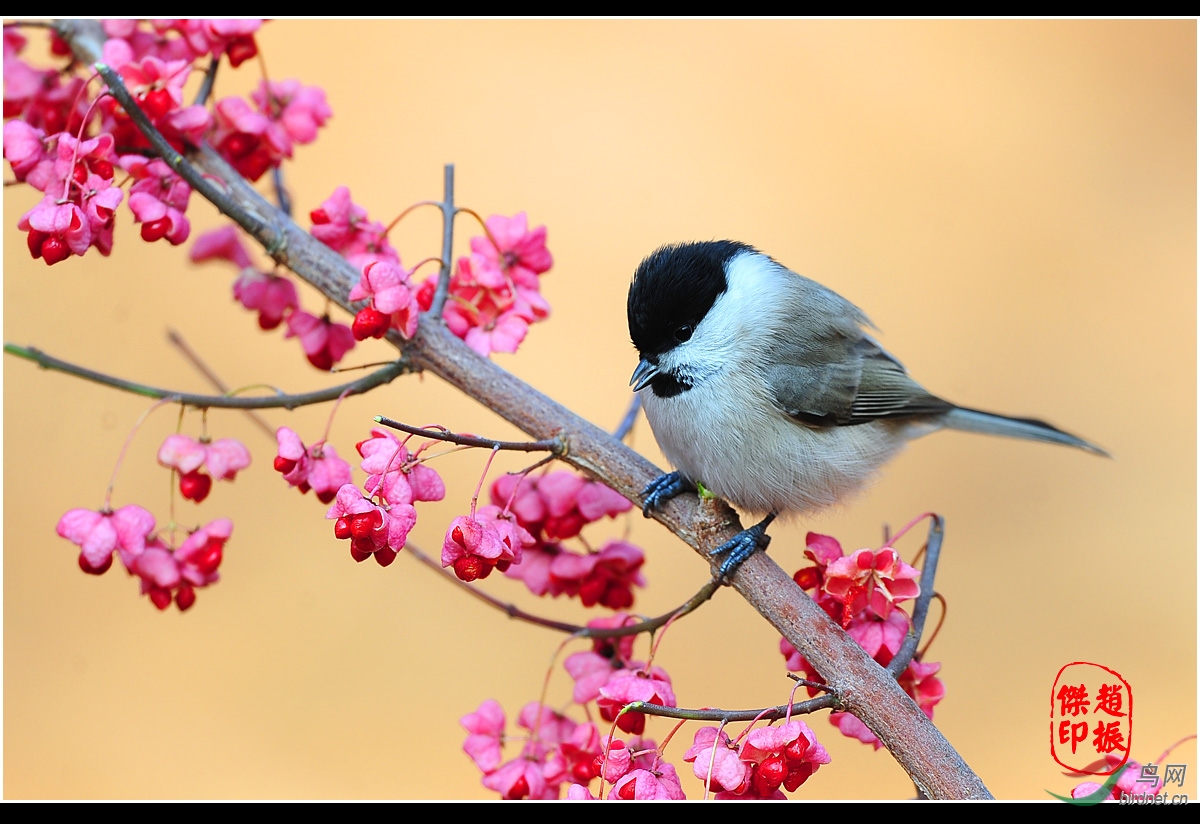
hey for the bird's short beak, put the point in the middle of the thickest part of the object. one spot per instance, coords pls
(644, 373)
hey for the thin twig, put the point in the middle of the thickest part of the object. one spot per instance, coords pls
(626, 424)
(933, 548)
(447, 205)
(277, 401)
(443, 434)
(206, 85)
(824, 702)
(513, 611)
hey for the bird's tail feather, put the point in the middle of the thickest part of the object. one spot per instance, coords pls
(987, 423)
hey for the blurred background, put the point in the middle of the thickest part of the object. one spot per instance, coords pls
(1012, 202)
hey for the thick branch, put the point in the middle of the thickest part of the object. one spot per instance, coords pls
(864, 687)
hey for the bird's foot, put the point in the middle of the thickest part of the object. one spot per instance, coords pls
(662, 489)
(743, 545)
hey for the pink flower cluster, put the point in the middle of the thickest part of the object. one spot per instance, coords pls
(65, 141)
(768, 758)
(223, 459)
(557, 750)
(260, 137)
(554, 507)
(377, 518)
(495, 292)
(275, 299)
(861, 590)
(166, 574)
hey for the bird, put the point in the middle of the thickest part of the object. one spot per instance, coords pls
(768, 389)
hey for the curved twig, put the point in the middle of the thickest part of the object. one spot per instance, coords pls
(280, 401)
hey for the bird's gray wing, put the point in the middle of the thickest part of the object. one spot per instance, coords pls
(840, 379)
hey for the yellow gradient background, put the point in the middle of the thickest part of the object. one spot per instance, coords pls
(1014, 205)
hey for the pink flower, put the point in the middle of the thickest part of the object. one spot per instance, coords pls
(99, 534)
(878, 579)
(295, 113)
(396, 475)
(606, 577)
(392, 304)
(26, 149)
(256, 139)
(371, 529)
(728, 769)
(557, 504)
(317, 467)
(223, 459)
(324, 342)
(474, 548)
(336, 222)
(518, 252)
(785, 754)
(239, 137)
(652, 686)
(56, 230)
(272, 296)
(519, 778)
(661, 783)
(202, 552)
(158, 199)
(486, 733)
(220, 244)
(157, 86)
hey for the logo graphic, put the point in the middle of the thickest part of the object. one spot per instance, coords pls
(1091, 715)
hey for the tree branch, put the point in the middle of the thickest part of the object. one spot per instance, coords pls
(278, 401)
(864, 687)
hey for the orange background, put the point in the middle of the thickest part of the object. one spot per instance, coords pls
(1012, 202)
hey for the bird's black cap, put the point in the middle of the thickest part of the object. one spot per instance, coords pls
(675, 287)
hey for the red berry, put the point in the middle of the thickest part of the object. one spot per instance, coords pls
(284, 465)
(519, 789)
(370, 323)
(58, 46)
(798, 775)
(770, 775)
(209, 558)
(796, 750)
(54, 250)
(341, 529)
(160, 597)
(102, 168)
(241, 49)
(185, 597)
(87, 567)
(321, 359)
(358, 555)
(627, 790)
(34, 240)
(155, 229)
(318, 216)
(156, 102)
(468, 567)
(195, 485)
(385, 556)
(326, 496)
(807, 578)
(590, 591)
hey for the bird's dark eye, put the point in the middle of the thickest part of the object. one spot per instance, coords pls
(684, 332)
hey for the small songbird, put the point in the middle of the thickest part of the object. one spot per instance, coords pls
(765, 388)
